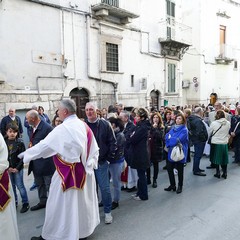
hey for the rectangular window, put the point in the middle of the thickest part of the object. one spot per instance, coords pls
(171, 78)
(170, 19)
(222, 40)
(132, 80)
(112, 57)
(170, 8)
(235, 65)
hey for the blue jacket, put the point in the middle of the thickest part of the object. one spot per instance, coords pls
(172, 138)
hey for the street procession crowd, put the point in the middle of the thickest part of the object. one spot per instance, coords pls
(80, 165)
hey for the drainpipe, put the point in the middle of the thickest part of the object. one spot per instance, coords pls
(41, 77)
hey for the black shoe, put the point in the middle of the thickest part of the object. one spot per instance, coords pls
(37, 207)
(201, 170)
(123, 188)
(170, 188)
(179, 190)
(24, 208)
(235, 161)
(165, 167)
(133, 189)
(37, 238)
(115, 205)
(83, 238)
(224, 175)
(100, 204)
(217, 175)
(148, 182)
(199, 174)
(210, 167)
(154, 185)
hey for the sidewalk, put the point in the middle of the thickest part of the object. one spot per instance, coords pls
(207, 209)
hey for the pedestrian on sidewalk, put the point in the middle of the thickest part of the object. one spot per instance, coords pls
(178, 133)
(219, 145)
(15, 170)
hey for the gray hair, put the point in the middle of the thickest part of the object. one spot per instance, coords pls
(33, 114)
(69, 104)
(91, 104)
(125, 113)
(198, 110)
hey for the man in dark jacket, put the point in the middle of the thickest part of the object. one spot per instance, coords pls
(11, 118)
(42, 169)
(198, 135)
(107, 144)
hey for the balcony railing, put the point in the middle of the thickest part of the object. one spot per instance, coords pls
(172, 30)
(114, 3)
(224, 53)
(130, 6)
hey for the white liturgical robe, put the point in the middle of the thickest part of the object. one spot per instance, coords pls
(74, 213)
(8, 217)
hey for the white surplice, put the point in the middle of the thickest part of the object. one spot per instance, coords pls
(72, 214)
(8, 217)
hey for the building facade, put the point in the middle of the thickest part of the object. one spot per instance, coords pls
(106, 51)
(211, 64)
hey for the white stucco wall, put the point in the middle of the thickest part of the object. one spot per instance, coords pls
(200, 58)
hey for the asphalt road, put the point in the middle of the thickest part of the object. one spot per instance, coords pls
(207, 209)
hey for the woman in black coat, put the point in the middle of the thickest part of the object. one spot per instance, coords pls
(138, 152)
(156, 138)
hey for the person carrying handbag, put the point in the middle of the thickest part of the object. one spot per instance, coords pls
(219, 145)
(178, 133)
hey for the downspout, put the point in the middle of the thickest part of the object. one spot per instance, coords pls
(44, 77)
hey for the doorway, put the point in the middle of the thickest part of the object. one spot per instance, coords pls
(81, 97)
(154, 102)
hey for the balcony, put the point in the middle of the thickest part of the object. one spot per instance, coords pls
(225, 54)
(115, 11)
(175, 38)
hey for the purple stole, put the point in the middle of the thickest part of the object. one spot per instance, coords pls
(73, 174)
(4, 188)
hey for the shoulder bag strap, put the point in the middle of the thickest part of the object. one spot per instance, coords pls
(216, 131)
(236, 127)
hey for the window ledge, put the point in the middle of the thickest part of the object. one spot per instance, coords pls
(111, 72)
(171, 94)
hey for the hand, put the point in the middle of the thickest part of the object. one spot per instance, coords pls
(155, 125)
(11, 170)
(21, 155)
(233, 134)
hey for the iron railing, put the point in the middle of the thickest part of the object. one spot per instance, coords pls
(114, 3)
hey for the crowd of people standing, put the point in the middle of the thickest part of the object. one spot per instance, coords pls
(119, 145)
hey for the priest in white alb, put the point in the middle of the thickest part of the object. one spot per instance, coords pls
(72, 207)
(8, 217)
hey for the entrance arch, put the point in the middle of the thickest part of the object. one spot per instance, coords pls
(154, 102)
(81, 97)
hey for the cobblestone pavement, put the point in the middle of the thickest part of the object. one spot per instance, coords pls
(207, 209)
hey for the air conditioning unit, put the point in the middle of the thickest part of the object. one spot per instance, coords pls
(185, 84)
(143, 84)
